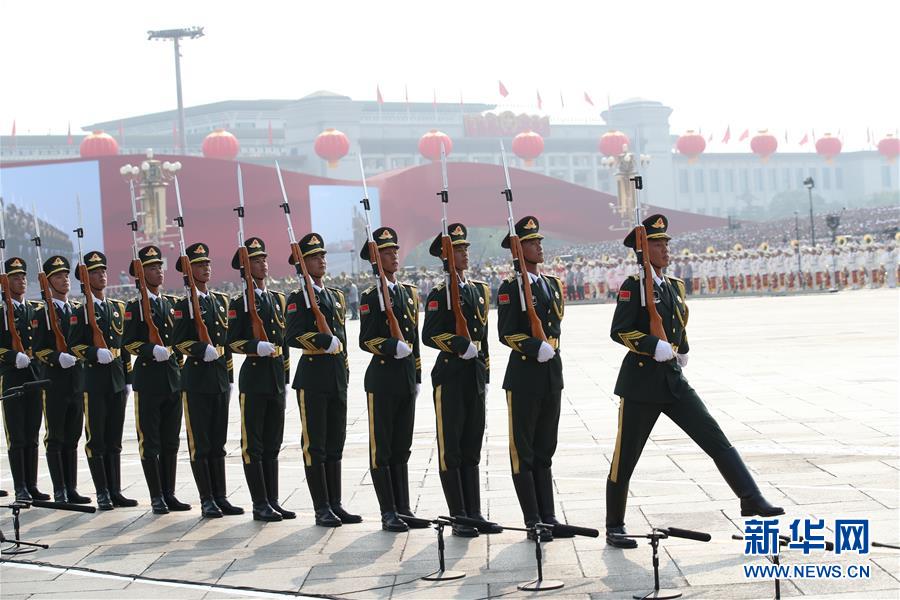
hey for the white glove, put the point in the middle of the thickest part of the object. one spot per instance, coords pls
(265, 348)
(334, 346)
(160, 353)
(22, 360)
(104, 356)
(663, 352)
(418, 387)
(210, 354)
(230, 389)
(127, 389)
(403, 350)
(67, 361)
(682, 360)
(487, 388)
(545, 353)
(470, 353)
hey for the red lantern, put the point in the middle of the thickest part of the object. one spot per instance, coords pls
(612, 143)
(430, 144)
(97, 144)
(221, 144)
(764, 144)
(889, 147)
(828, 147)
(528, 145)
(691, 145)
(332, 145)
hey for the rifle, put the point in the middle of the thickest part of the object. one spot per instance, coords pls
(641, 249)
(194, 305)
(140, 282)
(90, 316)
(9, 315)
(306, 285)
(59, 339)
(384, 295)
(451, 277)
(256, 324)
(515, 247)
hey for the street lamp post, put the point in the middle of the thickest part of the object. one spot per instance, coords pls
(152, 177)
(625, 165)
(810, 184)
(175, 35)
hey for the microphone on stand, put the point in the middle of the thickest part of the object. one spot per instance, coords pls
(63, 506)
(21, 390)
(686, 534)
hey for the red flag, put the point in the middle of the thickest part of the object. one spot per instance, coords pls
(805, 139)
(744, 135)
(588, 99)
(378, 95)
(503, 91)
(69, 134)
(727, 136)
(14, 133)
(562, 101)
(270, 132)
(540, 104)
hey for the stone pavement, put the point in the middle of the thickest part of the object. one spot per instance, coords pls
(805, 386)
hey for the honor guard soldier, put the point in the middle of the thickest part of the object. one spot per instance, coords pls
(22, 415)
(651, 382)
(321, 384)
(107, 374)
(262, 380)
(205, 383)
(392, 382)
(63, 406)
(460, 379)
(534, 379)
(156, 379)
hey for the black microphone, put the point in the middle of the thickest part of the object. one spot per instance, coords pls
(564, 530)
(64, 506)
(40, 384)
(686, 534)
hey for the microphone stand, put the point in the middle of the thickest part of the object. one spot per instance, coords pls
(442, 573)
(17, 543)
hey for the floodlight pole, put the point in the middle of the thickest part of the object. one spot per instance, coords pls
(175, 35)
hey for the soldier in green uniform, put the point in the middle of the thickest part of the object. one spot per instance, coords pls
(321, 384)
(22, 415)
(264, 374)
(651, 382)
(534, 378)
(205, 384)
(107, 377)
(156, 379)
(63, 407)
(460, 379)
(392, 382)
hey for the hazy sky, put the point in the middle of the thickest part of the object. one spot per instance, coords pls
(797, 65)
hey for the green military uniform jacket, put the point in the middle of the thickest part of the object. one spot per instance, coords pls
(148, 376)
(99, 378)
(63, 381)
(27, 322)
(439, 331)
(641, 378)
(386, 374)
(318, 370)
(196, 375)
(260, 374)
(523, 372)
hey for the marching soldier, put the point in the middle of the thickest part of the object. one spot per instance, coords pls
(206, 384)
(63, 406)
(534, 379)
(651, 382)
(460, 379)
(22, 415)
(262, 380)
(107, 375)
(321, 384)
(156, 379)
(392, 382)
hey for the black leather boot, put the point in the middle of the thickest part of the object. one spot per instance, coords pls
(471, 485)
(253, 472)
(168, 470)
(114, 480)
(208, 507)
(333, 480)
(318, 491)
(55, 467)
(17, 467)
(616, 498)
(543, 487)
(523, 482)
(453, 493)
(98, 474)
(31, 472)
(270, 472)
(742, 484)
(400, 483)
(384, 491)
(154, 485)
(70, 473)
(217, 476)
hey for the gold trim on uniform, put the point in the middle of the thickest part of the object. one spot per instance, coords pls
(137, 424)
(439, 414)
(513, 452)
(87, 425)
(244, 455)
(614, 466)
(187, 423)
(372, 445)
(304, 432)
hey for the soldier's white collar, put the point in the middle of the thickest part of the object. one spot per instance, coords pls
(60, 303)
(318, 288)
(16, 303)
(99, 301)
(657, 280)
(152, 296)
(532, 277)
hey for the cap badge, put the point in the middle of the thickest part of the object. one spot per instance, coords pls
(314, 241)
(658, 224)
(152, 252)
(457, 231)
(57, 262)
(530, 224)
(385, 235)
(254, 244)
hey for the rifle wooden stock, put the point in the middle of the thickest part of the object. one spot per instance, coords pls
(385, 291)
(11, 316)
(537, 329)
(97, 338)
(59, 340)
(199, 324)
(643, 249)
(462, 326)
(300, 265)
(256, 325)
(152, 330)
